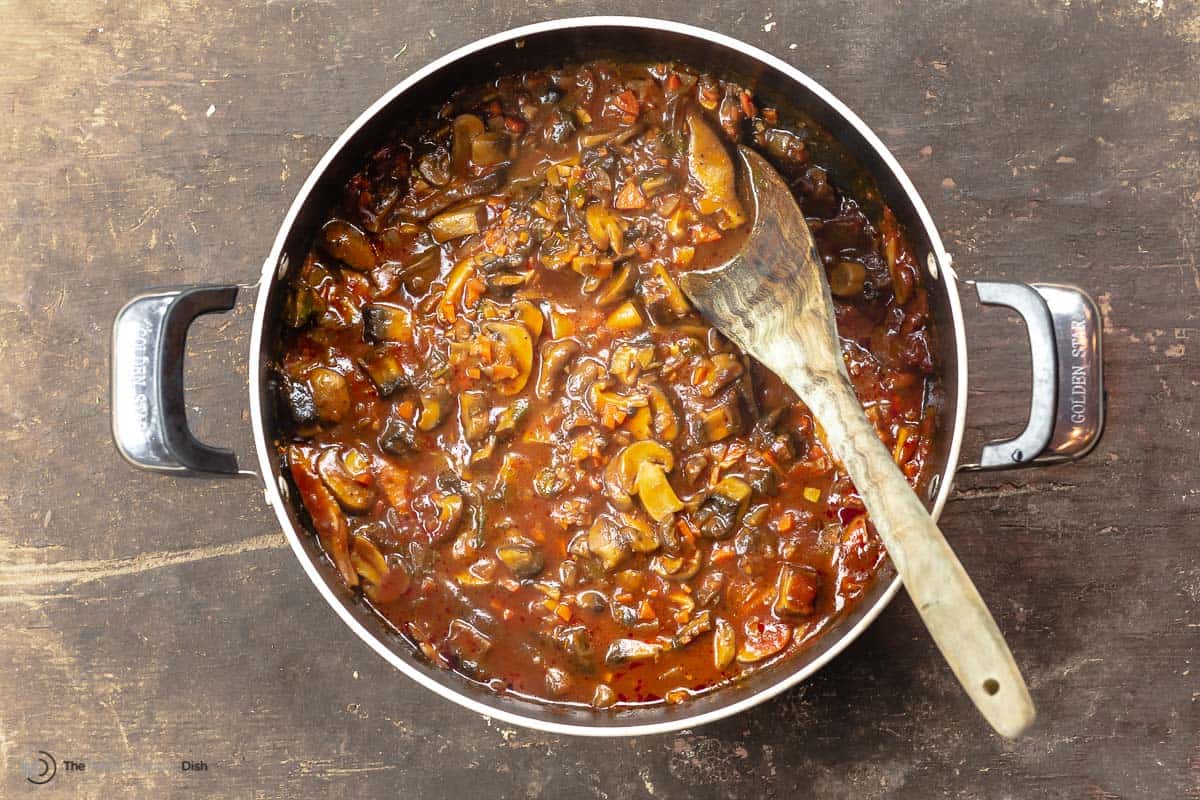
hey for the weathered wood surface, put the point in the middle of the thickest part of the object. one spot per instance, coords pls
(147, 620)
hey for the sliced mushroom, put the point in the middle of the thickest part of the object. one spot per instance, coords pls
(666, 423)
(457, 223)
(352, 489)
(629, 360)
(511, 416)
(655, 492)
(709, 589)
(435, 403)
(473, 415)
(522, 557)
(439, 514)
(847, 278)
(397, 436)
(302, 306)
(327, 517)
(489, 149)
(550, 482)
(385, 322)
(699, 624)
(609, 541)
(677, 568)
(387, 372)
(519, 345)
(330, 394)
(368, 561)
(434, 166)
(348, 244)
(604, 696)
(796, 590)
(722, 421)
(555, 357)
(724, 643)
(719, 371)
(763, 638)
(613, 408)
(641, 537)
(604, 228)
(618, 287)
(621, 472)
(660, 290)
(576, 644)
(720, 514)
(529, 315)
(624, 651)
(464, 129)
(711, 167)
(299, 398)
(421, 272)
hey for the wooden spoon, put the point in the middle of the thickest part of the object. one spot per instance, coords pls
(772, 299)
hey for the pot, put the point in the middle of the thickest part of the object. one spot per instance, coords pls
(150, 424)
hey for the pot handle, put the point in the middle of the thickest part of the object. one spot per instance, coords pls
(149, 419)
(1066, 413)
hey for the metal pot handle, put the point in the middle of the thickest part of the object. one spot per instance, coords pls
(149, 419)
(1066, 413)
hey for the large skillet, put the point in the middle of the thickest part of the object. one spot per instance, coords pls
(150, 425)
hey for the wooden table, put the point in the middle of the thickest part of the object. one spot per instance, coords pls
(148, 621)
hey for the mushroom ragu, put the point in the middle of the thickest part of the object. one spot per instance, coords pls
(516, 438)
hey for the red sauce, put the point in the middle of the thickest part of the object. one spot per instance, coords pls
(517, 439)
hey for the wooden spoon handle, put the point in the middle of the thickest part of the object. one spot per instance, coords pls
(940, 588)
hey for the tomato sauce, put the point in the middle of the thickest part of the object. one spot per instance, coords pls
(517, 439)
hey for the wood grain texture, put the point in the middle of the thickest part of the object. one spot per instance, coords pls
(148, 620)
(772, 300)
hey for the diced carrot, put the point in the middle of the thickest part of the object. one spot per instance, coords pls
(406, 410)
(503, 372)
(786, 523)
(646, 611)
(474, 289)
(627, 101)
(721, 554)
(564, 612)
(748, 105)
(673, 82)
(901, 439)
(686, 528)
(630, 197)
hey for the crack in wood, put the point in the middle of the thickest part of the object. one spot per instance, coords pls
(29, 575)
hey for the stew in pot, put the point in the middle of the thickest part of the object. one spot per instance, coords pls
(517, 439)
